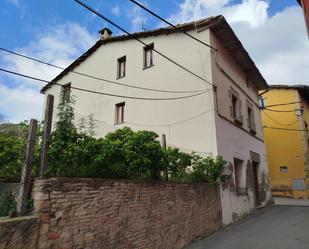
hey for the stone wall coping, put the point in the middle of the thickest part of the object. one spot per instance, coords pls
(103, 180)
(18, 219)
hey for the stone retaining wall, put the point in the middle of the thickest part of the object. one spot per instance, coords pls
(96, 213)
(18, 233)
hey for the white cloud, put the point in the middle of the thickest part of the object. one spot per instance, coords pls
(137, 18)
(251, 11)
(116, 10)
(278, 44)
(58, 45)
(21, 103)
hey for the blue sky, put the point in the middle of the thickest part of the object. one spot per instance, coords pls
(22, 19)
(59, 31)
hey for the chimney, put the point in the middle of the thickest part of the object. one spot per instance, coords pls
(105, 33)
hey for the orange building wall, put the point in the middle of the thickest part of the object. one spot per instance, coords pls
(284, 147)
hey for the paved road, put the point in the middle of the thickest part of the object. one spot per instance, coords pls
(278, 227)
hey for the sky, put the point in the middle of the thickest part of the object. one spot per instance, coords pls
(57, 31)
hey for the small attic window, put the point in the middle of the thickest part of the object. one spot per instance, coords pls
(148, 55)
(121, 67)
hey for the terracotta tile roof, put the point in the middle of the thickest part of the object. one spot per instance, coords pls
(217, 24)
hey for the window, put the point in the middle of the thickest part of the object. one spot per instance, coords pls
(119, 115)
(148, 56)
(251, 119)
(240, 177)
(121, 68)
(261, 101)
(235, 107)
(283, 169)
(66, 91)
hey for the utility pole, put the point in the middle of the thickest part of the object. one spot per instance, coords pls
(25, 183)
(164, 147)
(46, 133)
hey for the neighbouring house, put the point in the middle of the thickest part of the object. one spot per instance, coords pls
(285, 119)
(223, 120)
(305, 5)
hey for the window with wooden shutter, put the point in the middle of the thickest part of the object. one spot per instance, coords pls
(148, 55)
(251, 118)
(121, 68)
(119, 113)
(235, 107)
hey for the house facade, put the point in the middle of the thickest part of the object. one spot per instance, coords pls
(213, 111)
(286, 119)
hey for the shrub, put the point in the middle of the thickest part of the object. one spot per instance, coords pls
(13, 138)
(207, 169)
(7, 205)
(178, 164)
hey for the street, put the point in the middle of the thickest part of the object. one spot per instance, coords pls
(277, 227)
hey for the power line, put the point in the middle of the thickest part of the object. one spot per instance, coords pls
(94, 77)
(171, 124)
(272, 110)
(169, 23)
(284, 129)
(102, 93)
(140, 41)
(277, 122)
(282, 104)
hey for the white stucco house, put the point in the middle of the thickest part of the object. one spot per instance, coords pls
(222, 118)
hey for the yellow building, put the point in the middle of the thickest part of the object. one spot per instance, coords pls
(285, 119)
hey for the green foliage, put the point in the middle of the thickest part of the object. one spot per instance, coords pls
(177, 164)
(121, 154)
(12, 150)
(7, 205)
(207, 169)
(126, 154)
(13, 139)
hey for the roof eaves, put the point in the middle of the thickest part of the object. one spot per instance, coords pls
(166, 30)
(233, 45)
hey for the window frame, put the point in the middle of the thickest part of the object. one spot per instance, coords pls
(251, 118)
(235, 107)
(118, 107)
(66, 93)
(120, 60)
(147, 48)
(239, 172)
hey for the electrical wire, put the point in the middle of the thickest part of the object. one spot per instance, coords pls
(97, 78)
(169, 23)
(282, 104)
(140, 41)
(277, 122)
(272, 110)
(171, 124)
(196, 39)
(102, 93)
(284, 129)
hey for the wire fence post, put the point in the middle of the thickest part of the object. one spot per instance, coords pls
(25, 183)
(164, 147)
(46, 133)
